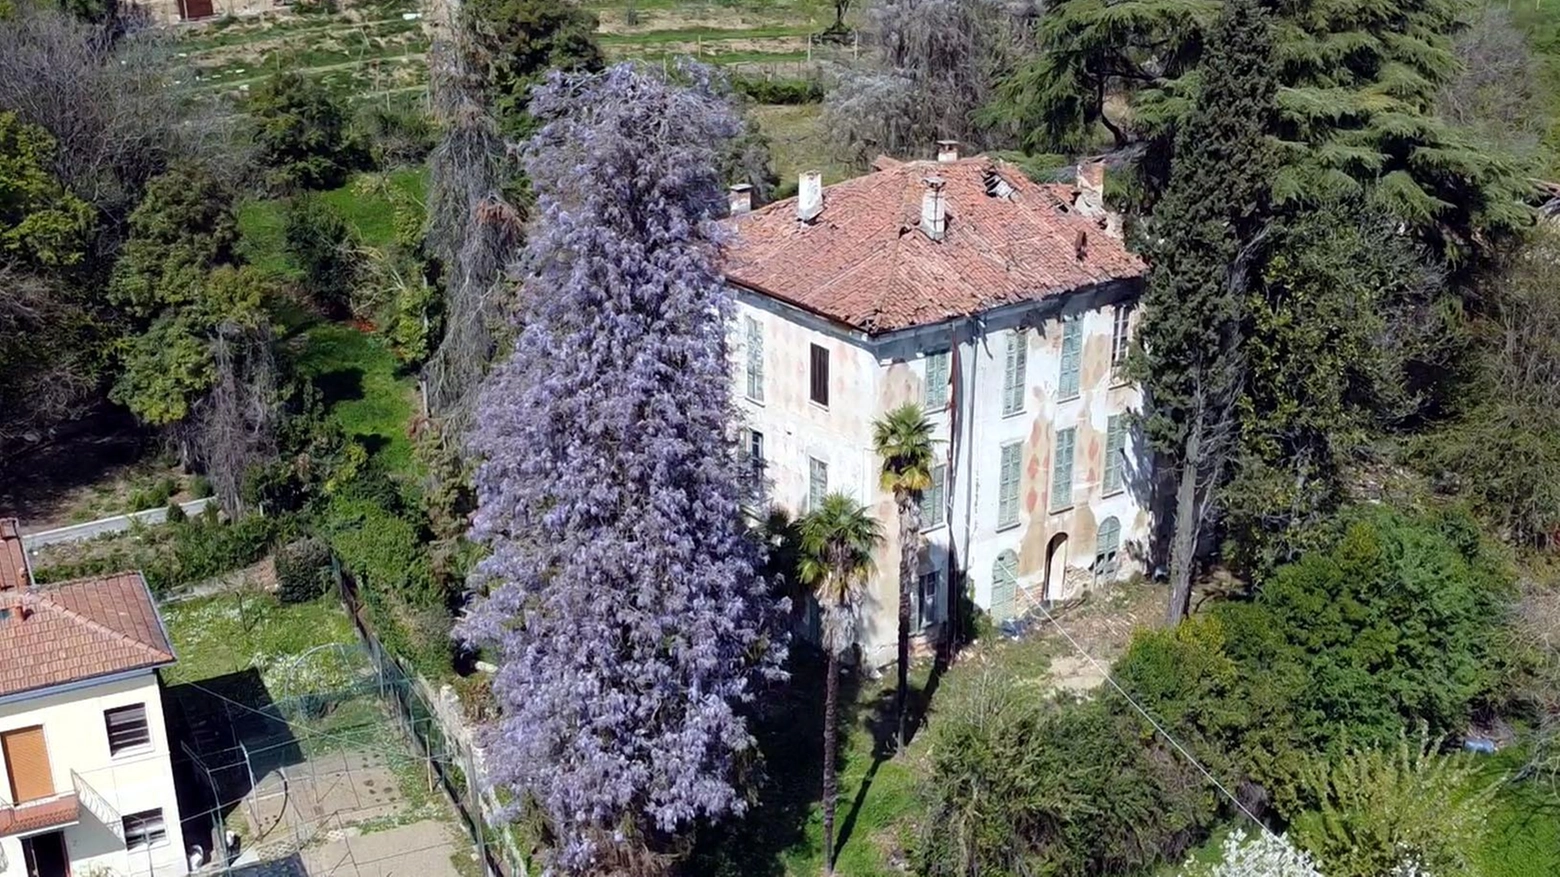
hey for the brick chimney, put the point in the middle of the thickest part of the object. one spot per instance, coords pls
(740, 198)
(934, 209)
(809, 196)
(1090, 200)
(947, 151)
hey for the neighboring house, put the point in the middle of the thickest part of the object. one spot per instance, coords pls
(1004, 307)
(87, 783)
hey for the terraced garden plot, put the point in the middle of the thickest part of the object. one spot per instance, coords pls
(362, 50)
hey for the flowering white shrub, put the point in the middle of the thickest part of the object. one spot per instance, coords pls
(1266, 855)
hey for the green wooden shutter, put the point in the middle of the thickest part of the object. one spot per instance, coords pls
(1062, 470)
(1013, 373)
(933, 498)
(937, 380)
(1107, 547)
(1072, 354)
(1007, 486)
(1115, 445)
(755, 360)
(1004, 586)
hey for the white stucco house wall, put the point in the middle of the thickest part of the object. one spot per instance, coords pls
(1003, 306)
(85, 771)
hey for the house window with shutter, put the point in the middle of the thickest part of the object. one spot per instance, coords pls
(1120, 340)
(1062, 470)
(755, 360)
(127, 729)
(27, 762)
(1004, 587)
(820, 376)
(926, 599)
(933, 499)
(145, 830)
(1072, 356)
(751, 451)
(1115, 454)
(937, 380)
(817, 482)
(1014, 369)
(1007, 485)
(1107, 549)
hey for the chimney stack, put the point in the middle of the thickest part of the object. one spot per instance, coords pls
(15, 577)
(809, 196)
(947, 151)
(934, 209)
(740, 198)
(1091, 189)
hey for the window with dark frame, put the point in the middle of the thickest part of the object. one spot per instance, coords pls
(127, 728)
(820, 376)
(144, 829)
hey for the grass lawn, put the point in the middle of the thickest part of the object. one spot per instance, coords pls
(365, 389)
(228, 633)
(1524, 831)
(796, 140)
(262, 222)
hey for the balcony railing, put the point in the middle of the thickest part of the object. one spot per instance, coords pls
(59, 810)
(98, 806)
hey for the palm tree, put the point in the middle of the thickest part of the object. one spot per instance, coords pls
(903, 438)
(837, 540)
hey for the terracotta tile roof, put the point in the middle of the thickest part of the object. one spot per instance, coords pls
(37, 815)
(865, 263)
(79, 630)
(13, 560)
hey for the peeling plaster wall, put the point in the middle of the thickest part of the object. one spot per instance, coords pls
(871, 375)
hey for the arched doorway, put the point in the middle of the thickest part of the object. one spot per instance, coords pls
(1004, 587)
(1107, 551)
(1056, 567)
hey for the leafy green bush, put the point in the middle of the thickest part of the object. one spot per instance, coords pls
(200, 487)
(395, 134)
(1372, 810)
(323, 245)
(154, 495)
(175, 513)
(774, 90)
(1016, 786)
(303, 570)
(301, 132)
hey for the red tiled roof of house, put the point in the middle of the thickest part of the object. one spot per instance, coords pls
(79, 630)
(864, 262)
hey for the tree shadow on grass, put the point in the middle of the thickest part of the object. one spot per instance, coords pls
(340, 385)
(789, 730)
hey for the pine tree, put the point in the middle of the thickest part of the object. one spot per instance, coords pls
(1203, 238)
(1356, 109)
(622, 598)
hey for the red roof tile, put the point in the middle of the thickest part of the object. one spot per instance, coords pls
(37, 815)
(79, 630)
(864, 262)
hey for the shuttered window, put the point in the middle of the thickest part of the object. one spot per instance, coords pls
(27, 762)
(1072, 356)
(817, 482)
(933, 498)
(820, 375)
(1107, 549)
(1014, 370)
(926, 599)
(937, 380)
(1004, 586)
(1120, 337)
(1062, 470)
(1115, 454)
(127, 728)
(1007, 485)
(145, 829)
(755, 360)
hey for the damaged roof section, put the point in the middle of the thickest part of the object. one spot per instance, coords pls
(919, 242)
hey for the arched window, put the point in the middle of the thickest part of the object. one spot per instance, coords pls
(1004, 587)
(1107, 550)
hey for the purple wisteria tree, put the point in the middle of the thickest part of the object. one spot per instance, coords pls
(622, 594)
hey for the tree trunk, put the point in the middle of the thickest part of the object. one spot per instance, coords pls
(909, 554)
(830, 792)
(1183, 540)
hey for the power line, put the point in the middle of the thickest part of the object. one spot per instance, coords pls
(1111, 680)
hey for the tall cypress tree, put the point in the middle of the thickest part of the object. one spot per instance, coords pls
(1203, 238)
(623, 600)
(1356, 114)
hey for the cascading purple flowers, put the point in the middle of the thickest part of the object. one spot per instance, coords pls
(622, 593)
